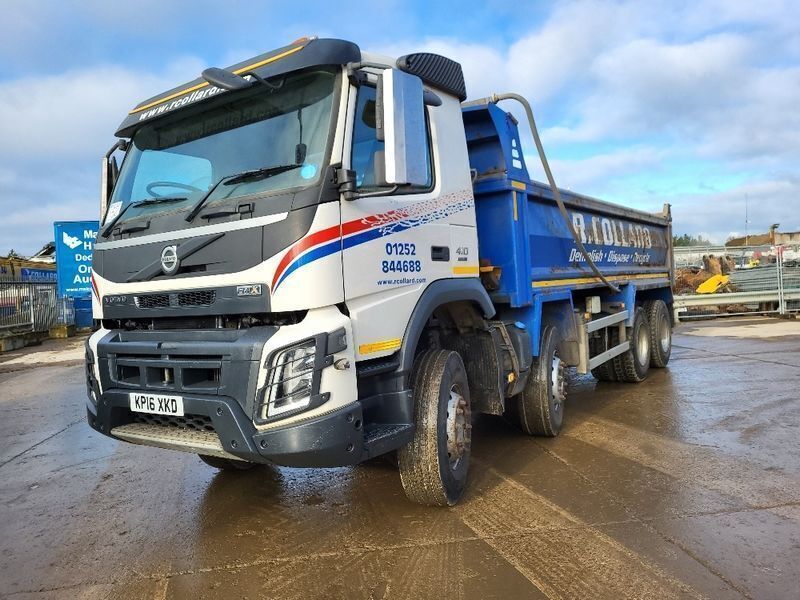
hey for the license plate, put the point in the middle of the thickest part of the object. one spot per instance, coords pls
(157, 404)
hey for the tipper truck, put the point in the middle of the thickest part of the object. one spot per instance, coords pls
(319, 256)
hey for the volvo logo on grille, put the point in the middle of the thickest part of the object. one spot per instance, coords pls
(169, 260)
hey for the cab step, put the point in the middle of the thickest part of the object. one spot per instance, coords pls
(380, 438)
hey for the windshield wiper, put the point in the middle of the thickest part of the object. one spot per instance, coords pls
(146, 202)
(262, 173)
(252, 175)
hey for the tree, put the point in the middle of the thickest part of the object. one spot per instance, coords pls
(690, 240)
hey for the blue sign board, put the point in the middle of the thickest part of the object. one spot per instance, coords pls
(38, 275)
(74, 244)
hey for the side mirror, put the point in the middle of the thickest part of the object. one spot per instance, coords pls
(105, 187)
(401, 124)
(225, 80)
(109, 172)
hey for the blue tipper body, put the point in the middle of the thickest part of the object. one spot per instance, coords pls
(522, 233)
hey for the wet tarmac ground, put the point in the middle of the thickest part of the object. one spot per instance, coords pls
(687, 485)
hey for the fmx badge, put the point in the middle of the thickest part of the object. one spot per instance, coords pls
(74, 246)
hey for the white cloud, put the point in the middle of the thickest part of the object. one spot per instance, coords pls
(54, 131)
(73, 116)
(705, 96)
(543, 63)
(719, 214)
(577, 174)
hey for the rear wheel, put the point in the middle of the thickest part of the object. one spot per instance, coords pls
(434, 465)
(226, 464)
(660, 327)
(632, 366)
(541, 403)
(598, 345)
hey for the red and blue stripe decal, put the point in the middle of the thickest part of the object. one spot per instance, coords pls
(359, 231)
(327, 241)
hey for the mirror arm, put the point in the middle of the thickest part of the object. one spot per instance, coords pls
(120, 144)
(263, 81)
(388, 192)
(346, 180)
(356, 66)
(430, 98)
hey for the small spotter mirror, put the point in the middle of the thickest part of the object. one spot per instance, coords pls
(225, 79)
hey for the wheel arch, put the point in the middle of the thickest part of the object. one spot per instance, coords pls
(560, 314)
(444, 293)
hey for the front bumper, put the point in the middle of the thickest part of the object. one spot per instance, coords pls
(219, 375)
(329, 440)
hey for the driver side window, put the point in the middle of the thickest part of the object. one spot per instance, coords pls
(366, 143)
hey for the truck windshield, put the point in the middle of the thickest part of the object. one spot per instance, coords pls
(285, 123)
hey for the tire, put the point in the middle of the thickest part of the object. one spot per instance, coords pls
(632, 366)
(604, 372)
(541, 402)
(660, 326)
(226, 464)
(433, 466)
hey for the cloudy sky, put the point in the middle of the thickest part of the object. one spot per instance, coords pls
(694, 103)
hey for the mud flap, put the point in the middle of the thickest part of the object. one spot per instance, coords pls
(482, 355)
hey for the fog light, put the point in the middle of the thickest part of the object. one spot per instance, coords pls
(289, 383)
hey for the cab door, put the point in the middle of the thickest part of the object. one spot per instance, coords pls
(396, 240)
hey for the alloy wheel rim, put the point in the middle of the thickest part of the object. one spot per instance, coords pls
(459, 426)
(664, 335)
(558, 388)
(643, 346)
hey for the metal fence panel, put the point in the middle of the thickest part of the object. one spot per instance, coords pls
(28, 306)
(692, 256)
(772, 287)
(66, 311)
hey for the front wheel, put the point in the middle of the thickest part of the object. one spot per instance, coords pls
(434, 465)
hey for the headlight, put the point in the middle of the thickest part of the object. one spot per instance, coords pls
(89, 372)
(289, 382)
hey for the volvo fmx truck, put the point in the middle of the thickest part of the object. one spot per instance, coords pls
(320, 255)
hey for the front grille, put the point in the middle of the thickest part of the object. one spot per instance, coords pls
(191, 422)
(197, 298)
(152, 301)
(193, 298)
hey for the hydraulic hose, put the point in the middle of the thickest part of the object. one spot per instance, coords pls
(494, 99)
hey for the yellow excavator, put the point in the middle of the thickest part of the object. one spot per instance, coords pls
(714, 284)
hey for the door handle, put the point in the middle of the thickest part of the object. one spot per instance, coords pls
(440, 253)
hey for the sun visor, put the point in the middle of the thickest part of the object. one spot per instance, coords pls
(299, 55)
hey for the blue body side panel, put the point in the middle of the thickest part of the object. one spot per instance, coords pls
(521, 231)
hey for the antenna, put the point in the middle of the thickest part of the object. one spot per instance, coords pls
(746, 221)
